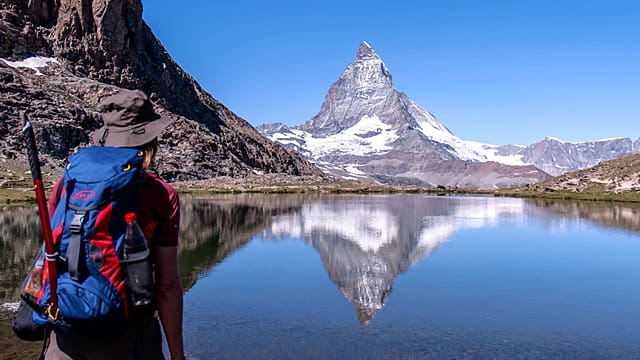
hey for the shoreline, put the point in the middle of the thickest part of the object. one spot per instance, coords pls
(11, 347)
(278, 184)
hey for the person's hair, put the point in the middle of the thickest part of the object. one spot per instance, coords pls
(149, 149)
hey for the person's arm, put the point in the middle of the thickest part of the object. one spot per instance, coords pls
(170, 298)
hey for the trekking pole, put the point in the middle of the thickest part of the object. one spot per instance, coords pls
(36, 174)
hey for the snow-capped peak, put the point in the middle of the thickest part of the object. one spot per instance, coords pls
(363, 114)
(364, 88)
(551, 138)
(366, 52)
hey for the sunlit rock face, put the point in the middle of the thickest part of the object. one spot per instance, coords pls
(366, 242)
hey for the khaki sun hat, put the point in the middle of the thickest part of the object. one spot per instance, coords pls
(128, 120)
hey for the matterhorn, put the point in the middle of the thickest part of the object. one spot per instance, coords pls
(368, 130)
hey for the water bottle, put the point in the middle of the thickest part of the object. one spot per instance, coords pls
(138, 276)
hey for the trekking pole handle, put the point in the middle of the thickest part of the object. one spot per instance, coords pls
(29, 136)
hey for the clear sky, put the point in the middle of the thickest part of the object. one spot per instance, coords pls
(494, 71)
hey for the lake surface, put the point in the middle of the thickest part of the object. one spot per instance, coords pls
(395, 276)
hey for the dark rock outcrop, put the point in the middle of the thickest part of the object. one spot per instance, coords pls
(104, 45)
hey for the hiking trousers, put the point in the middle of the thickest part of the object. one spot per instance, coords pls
(141, 340)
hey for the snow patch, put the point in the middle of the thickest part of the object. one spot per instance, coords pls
(34, 63)
(352, 169)
(466, 150)
(349, 178)
(600, 140)
(351, 140)
(551, 138)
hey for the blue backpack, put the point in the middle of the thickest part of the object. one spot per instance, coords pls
(100, 185)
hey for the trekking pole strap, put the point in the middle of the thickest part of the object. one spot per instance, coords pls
(51, 257)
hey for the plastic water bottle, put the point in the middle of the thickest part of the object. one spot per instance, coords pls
(137, 263)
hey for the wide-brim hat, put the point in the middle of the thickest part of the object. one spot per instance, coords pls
(128, 120)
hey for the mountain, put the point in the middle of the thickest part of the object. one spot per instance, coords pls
(612, 176)
(366, 129)
(59, 58)
(557, 157)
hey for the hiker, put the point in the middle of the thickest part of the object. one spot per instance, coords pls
(130, 122)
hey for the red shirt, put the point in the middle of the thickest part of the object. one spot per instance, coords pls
(158, 211)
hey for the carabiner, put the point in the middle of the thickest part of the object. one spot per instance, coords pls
(54, 316)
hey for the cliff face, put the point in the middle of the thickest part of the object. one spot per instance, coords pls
(101, 46)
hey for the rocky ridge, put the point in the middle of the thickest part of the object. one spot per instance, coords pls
(615, 176)
(94, 49)
(557, 157)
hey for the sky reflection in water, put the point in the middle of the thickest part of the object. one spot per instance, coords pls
(418, 276)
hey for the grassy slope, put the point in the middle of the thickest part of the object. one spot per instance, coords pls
(612, 180)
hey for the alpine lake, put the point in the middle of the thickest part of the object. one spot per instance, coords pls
(402, 276)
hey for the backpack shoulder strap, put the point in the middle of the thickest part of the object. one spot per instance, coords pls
(73, 251)
(59, 192)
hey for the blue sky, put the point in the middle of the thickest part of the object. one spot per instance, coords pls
(493, 71)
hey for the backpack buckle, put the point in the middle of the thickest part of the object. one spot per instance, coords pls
(76, 223)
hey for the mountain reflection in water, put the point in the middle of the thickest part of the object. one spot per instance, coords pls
(364, 241)
(213, 227)
(624, 216)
